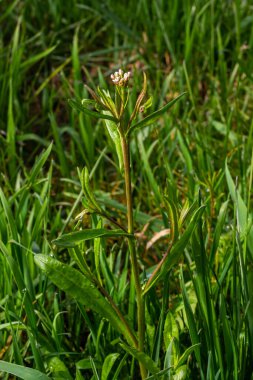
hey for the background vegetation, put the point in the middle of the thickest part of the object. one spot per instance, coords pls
(201, 149)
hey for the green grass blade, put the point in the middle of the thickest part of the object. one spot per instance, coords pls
(35, 58)
(22, 372)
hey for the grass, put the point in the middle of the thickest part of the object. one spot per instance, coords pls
(199, 317)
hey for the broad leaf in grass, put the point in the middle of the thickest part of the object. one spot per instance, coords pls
(82, 289)
(153, 116)
(22, 372)
(58, 369)
(142, 358)
(108, 364)
(80, 108)
(181, 373)
(86, 364)
(174, 254)
(170, 329)
(74, 238)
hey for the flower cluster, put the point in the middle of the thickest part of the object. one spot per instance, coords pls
(120, 78)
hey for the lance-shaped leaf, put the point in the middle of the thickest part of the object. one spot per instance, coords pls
(142, 358)
(174, 254)
(74, 238)
(85, 182)
(173, 218)
(113, 131)
(22, 372)
(80, 108)
(153, 116)
(106, 99)
(82, 289)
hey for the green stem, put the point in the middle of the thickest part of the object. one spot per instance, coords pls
(133, 255)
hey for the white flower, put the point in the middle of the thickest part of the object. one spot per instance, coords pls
(120, 78)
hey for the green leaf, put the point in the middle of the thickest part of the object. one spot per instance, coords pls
(94, 370)
(107, 366)
(78, 107)
(58, 369)
(86, 364)
(22, 372)
(19, 279)
(159, 374)
(153, 116)
(186, 354)
(224, 130)
(33, 59)
(85, 182)
(180, 373)
(113, 131)
(74, 238)
(218, 230)
(190, 319)
(39, 164)
(171, 357)
(241, 207)
(186, 213)
(146, 105)
(170, 329)
(143, 358)
(81, 288)
(176, 251)
(107, 101)
(173, 218)
(244, 227)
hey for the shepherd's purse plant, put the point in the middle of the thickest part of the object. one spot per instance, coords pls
(89, 287)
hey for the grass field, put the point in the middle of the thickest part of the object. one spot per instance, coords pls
(139, 266)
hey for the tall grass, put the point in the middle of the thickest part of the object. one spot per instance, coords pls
(200, 317)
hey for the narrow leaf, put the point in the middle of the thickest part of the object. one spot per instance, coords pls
(176, 251)
(35, 58)
(173, 218)
(94, 370)
(186, 354)
(74, 238)
(22, 372)
(39, 164)
(143, 358)
(78, 107)
(153, 116)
